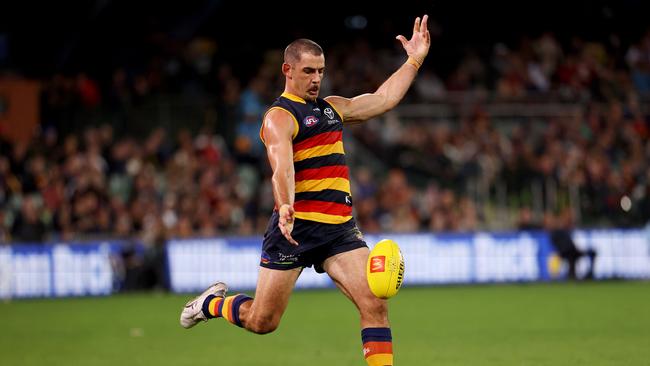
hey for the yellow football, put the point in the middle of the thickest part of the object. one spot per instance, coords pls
(385, 269)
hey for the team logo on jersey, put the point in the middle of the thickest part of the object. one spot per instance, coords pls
(378, 264)
(329, 113)
(310, 121)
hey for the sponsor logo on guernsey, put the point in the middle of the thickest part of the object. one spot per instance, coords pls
(329, 113)
(310, 121)
(378, 264)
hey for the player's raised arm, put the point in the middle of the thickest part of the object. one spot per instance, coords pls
(391, 92)
(277, 132)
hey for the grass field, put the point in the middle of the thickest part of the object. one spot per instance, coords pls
(537, 324)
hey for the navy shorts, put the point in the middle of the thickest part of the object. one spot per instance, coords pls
(316, 242)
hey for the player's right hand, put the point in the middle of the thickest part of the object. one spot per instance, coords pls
(285, 223)
(418, 46)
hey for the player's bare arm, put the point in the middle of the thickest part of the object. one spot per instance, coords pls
(366, 106)
(278, 129)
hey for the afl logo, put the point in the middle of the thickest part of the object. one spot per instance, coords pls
(310, 121)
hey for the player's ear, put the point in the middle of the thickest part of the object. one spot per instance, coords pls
(286, 70)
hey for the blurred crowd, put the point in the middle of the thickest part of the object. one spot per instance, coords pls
(77, 180)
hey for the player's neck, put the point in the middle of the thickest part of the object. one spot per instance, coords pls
(292, 95)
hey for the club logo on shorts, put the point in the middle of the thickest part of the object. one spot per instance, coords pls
(329, 113)
(378, 264)
(265, 258)
(310, 121)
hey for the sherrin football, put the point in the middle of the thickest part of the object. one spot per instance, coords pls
(385, 269)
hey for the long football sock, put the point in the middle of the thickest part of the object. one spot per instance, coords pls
(227, 308)
(377, 346)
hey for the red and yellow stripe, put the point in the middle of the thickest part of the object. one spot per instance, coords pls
(320, 150)
(312, 185)
(334, 177)
(213, 307)
(222, 307)
(321, 217)
(226, 310)
(323, 207)
(324, 138)
(320, 145)
(378, 353)
(335, 171)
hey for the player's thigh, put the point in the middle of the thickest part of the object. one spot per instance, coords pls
(348, 270)
(274, 287)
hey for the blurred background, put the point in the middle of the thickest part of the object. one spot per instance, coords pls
(139, 121)
(130, 162)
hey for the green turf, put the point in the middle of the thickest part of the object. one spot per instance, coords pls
(541, 324)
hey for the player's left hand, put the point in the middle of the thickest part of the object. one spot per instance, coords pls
(418, 46)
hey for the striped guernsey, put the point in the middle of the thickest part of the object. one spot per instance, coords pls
(322, 179)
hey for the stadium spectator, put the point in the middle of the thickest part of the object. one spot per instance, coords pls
(135, 162)
(638, 59)
(28, 226)
(559, 228)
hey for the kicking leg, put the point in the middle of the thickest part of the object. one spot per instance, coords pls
(348, 271)
(262, 314)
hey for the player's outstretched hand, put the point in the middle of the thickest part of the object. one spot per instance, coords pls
(285, 223)
(418, 46)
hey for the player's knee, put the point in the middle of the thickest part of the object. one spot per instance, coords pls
(263, 328)
(262, 325)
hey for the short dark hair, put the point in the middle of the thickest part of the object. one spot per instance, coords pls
(298, 47)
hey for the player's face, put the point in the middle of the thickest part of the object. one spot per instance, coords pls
(307, 74)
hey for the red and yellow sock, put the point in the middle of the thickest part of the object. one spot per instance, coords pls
(377, 346)
(227, 308)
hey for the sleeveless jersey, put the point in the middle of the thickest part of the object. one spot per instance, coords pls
(321, 174)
